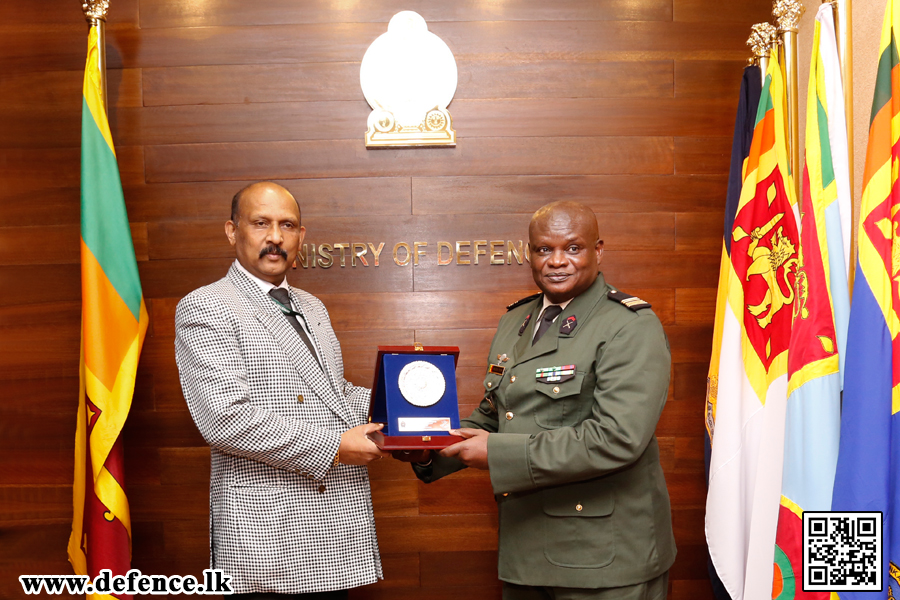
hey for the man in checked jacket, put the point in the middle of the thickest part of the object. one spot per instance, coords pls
(261, 370)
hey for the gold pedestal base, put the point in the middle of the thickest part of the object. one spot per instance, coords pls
(385, 132)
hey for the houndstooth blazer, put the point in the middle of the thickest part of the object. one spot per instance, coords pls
(282, 518)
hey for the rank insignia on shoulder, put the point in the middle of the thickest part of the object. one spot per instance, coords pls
(628, 301)
(521, 302)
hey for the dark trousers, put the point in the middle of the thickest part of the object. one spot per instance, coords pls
(336, 595)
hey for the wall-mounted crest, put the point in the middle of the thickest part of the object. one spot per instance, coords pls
(408, 76)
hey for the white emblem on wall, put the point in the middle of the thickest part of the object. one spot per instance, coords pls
(408, 76)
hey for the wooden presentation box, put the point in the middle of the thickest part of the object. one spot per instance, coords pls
(414, 395)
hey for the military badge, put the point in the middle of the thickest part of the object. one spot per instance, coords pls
(568, 325)
(555, 374)
(524, 325)
(498, 369)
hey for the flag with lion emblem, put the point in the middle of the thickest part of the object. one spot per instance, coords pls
(747, 393)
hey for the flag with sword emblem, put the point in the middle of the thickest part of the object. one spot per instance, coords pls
(113, 323)
(869, 455)
(744, 123)
(821, 309)
(750, 387)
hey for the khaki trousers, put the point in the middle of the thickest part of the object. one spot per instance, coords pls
(655, 589)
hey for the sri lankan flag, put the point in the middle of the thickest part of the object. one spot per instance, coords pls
(869, 456)
(113, 323)
(821, 307)
(744, 123)
(749, 390)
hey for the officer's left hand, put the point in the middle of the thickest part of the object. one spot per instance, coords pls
(472, 452)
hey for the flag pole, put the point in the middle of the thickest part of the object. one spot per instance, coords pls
(843, 24)
(762, 36)
(95, 12)
(787, 14)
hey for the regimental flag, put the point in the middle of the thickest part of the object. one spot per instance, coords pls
(744, 123)
(749, 391)
(869, 456)
(821, 308)
(113, 324)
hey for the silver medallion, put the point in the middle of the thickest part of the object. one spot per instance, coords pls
(421, 383)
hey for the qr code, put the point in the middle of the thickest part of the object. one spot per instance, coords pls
(842, 551)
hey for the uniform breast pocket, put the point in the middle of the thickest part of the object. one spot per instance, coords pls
(557, 402)
(579, 530)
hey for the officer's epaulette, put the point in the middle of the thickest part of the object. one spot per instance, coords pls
(628, 301)
(521, 302)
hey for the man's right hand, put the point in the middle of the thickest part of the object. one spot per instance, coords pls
(412, 456)
(356, 447)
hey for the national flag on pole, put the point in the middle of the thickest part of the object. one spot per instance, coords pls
(113, 323)
(749, 390)
(869, 456)
(744, 123)
(821, 308)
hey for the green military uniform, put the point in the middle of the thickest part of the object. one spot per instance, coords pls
(573, 458)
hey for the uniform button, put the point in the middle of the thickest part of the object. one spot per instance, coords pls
(579, 507)
(490, 384)
(509, 416)
(505, 494)
(300, 398)
(322, 489)
(556, 389)
(512, 379)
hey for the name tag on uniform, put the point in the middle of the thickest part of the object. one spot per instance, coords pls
(555, 374)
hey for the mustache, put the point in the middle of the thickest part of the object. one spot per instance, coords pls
(270, 249)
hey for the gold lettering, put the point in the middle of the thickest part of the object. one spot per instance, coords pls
(397, 260)
(461, 253)
(512, 251)
(304, 256)
(496, 255)
(324, 256)
(418, 252)
(358, 250)
(449, 259)
(343, 246)
(326, 259)
(478, 251)
(376, 252)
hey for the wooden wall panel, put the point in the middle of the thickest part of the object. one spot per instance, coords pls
(708, 78)
(625, 105)
(348, 158)
(479, 78)
(287, 121)
(158, 13)
(603, 193)
(57, 89)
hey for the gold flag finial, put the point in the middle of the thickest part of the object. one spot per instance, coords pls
(762, 38)
(787, 13)
(95, 10)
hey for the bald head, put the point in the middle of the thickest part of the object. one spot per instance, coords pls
(565, 249)
(567, 214)
(254, 188)
(265, 230)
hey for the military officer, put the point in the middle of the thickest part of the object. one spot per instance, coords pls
(576, 379)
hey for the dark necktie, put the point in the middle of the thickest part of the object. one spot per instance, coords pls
(284, 300)
(550, 313)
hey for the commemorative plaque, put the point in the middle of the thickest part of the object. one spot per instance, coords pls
(414, 395)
